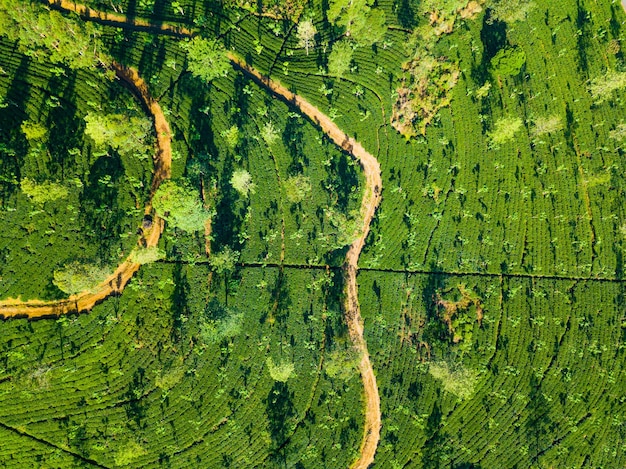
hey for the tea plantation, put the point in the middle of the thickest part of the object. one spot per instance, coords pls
(474, 318)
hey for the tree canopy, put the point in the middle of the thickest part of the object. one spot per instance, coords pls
(47, 34)
(207, 58)
(180, 206)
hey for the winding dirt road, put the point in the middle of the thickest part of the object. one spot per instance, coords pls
(371, 200)
(115, 283)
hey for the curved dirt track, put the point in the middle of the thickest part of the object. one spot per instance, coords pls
(116, 282)
(371, 200)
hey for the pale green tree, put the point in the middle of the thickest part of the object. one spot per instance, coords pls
(339, 59)
(297, 187)
(77, 277)
(241, 181)
(47, 191)
(603, 87)
(207, 58)
(280, 371)
(306, 34)
(504, 130)
(141, 255)
(269, 133)
(180, 205)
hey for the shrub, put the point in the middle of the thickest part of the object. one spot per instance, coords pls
(297, 187)
(280, 372)
(505, 130)
(44, 192)
(458, 380)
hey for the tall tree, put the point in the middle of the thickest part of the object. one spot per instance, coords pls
(306, 35)
(207, 58)
(180, 205)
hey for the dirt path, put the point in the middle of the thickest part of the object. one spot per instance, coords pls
(369, 204)
(13, 308)
(371, 199)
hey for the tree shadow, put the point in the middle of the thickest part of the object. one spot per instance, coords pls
(280, 410)
(13, 143)
(100, 210)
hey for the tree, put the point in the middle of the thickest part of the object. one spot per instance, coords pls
(339, 59)
(365, 24)
(77, 277)
(306, 35)
(146, 255)
(232, 136)
(510, 11)
(457, 380)
(180, 205)
(241, 181)
(224, 261)
(43, 33)
(207, 58)
(508, 62)
(128, 135)
(269, 133)
(602, 87)
(47, 191)
(34, 131)
(547, 125)
(504, 131)
(297, 187)
(280, 371)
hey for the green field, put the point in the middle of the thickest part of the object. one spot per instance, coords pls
(490, 285)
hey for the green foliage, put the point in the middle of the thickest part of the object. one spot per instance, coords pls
(547, 125)
(508, 62)
(342, 364)
(226, 325)
(339, 59)
(504, 130)
(180, 205)
(457, 380)
(224, 261)
(280, 371)
(45, 192)
(130, 452)
(510, 11)
(269, 133)
(619, 133)
(34, 131)
(306, 34)
(425, 89)
(77, 277)
(241, 181)
(44, 33)
(207, 58)
(361, 20)
(232, 136)
(602, 88)
(297, 187)
(141, 255)
(118, 131)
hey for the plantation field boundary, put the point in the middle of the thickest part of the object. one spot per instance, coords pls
(370, 202)
(116, 282)
(451, 273)
(41, 441)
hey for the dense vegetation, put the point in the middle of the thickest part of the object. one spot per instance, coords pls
(491, 283)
